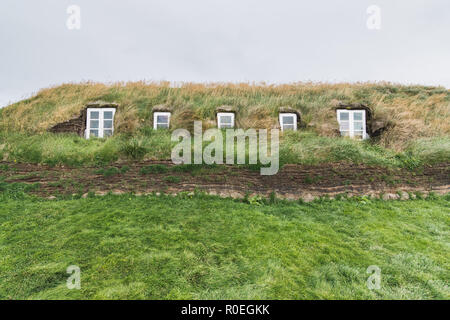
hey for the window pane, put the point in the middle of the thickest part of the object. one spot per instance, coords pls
(226, 125)
(288, 120)
(94, 114)
(358, 126)
(344, 126)
(288, 127)
(343, 116)
(162, 125)
(107, 124)
(94, 124)
(107, 133)
(93, 133)
(357, 116)
(162, 119)
(225, 119)
(108, 115)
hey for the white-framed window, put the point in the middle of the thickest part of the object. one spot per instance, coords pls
(288, 121)
(352, 123)
(161, 120)
(225, 120)
(100, 122)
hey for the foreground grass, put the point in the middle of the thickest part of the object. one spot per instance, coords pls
(203, 247)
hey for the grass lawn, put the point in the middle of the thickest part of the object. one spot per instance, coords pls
(203, 247)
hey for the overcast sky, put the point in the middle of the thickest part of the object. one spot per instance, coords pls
(221, 40)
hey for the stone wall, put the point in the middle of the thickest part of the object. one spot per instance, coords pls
(76, 125)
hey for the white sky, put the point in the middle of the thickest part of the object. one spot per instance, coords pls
(221, 40)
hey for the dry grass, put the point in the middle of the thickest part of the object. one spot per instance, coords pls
(415, 111)
(128, 119)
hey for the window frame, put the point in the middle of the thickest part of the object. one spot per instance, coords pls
(225, 114)
(351, 121)
(101, 118)
(161, 113)
(285, 115)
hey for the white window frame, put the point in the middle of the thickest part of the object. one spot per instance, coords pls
(223, 114)
(100, 128)
(286, 115)
(351, 128)
(155, 118)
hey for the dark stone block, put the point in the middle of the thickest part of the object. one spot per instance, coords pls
(76, 125)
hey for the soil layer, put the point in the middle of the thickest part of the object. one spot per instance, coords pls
(291, 182)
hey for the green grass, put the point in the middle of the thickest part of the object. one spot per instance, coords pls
(295, 148)
(112, 171)
(202, 247)
(431, 150)
(309, 148)
(73, 150)
(154, 168)
(172, 179)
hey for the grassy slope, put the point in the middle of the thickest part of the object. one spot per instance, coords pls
(420, 118)
(205, 247)
(416, 111)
